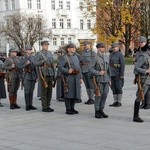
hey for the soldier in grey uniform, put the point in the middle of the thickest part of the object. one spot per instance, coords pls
(142, 69)
(87, 56)
(13, 77)
(29, 77)
(44, 60)
(2, 84)
(69, 65)
(59, 83)
(117, 66)
(101, 71)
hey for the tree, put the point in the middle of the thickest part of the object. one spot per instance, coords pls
(117, 20)
(145, 18)
(25, 29)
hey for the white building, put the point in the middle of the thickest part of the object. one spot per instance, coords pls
(65, 19)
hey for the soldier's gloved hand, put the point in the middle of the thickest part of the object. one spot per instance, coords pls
(70, 70)
(81, 81)
(102, 72)
(28, 62)
(13, 66)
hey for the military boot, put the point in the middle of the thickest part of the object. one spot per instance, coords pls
(15, 102)
(115, 101)
(136, 117)
(73, 105)
(68, 107)
(103, 114)
(98, 114)
(11, 99)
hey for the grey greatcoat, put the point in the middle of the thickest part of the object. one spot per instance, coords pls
(101, 62)
(28, 78)
(44, 60)
(85, 60)
(73, 81)
(2, 85)
(117, 66)
(14, 73)
(143, 64)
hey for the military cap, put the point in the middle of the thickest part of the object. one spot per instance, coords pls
(71, 45)
(13, 50)
(28, 47)
(115, 44)
(45, 42)
(86, 43)
(142, 39)
(100, 44)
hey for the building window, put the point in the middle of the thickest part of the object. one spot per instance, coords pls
(53, 4)
(61, 23)
(69, 40)
(54, 41)
(53, 23)
(60, 4)
(29, 4)
(68, 23)
(6, 4)
(88, 24)
(62, 42)
(68, 5)
(13, 4)
(81, 6)
(81, 23)
(38, 4)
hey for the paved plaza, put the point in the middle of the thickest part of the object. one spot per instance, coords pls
(36, 130)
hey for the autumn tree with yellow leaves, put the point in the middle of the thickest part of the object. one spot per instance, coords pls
(116, 20)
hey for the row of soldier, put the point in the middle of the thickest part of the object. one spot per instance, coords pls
(96, 70)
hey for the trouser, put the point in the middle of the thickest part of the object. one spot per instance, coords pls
(14, 86)
(29, 86)
(138, 100)
(70, 104)
(100, 100)
(46, 93)
(116, 85)
(87, 78)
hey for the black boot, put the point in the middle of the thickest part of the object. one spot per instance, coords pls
(73, 101)
(136, 117)
(98, 115)
(113, 105)
(32, 107)
(16, 106)
(12, 106)
(68, 107)
(27, 108)
(103, 114)
(89, 102)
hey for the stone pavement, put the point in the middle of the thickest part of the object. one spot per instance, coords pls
(35, 130)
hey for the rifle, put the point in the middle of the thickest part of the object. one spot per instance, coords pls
(97, 91)
(65, 85)
(140, 89)
(43, 79)
(8, 80)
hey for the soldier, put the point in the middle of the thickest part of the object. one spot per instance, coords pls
(69, 65)
(142, 69)
(44, 60)
(2, 85)
(86, 58)
(13, 77)
(29, 77)
(117, 66)
(101, 78)
(59, 82)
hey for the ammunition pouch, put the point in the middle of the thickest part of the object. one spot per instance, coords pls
(115, 65)
(28, 69)
(2, 74)
(75, 72)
